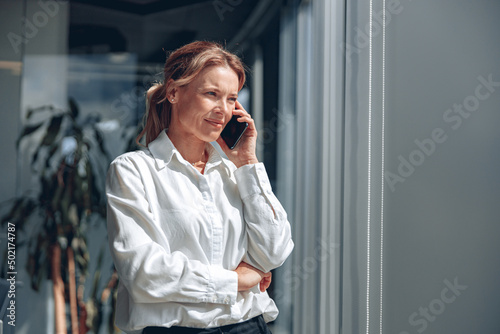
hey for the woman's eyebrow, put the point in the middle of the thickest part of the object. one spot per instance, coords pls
(209, 87)
(216, 89)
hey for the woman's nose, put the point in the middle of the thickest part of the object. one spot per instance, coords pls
(224, 106)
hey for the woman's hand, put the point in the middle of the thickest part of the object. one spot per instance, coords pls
(244, 152)
(249, 276)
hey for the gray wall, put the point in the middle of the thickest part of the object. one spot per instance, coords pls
(10, 80)
(443, 221)
(422, 217)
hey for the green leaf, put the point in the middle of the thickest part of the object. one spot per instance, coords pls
(20, 211)
(73, 107)
(52, 130)
(52, 150)
(27, 130)
(100, 142)
(32, 111)
(38, 262)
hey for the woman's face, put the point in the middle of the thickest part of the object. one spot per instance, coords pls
(202, 108)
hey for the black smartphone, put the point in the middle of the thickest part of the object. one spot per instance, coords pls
(233, 131)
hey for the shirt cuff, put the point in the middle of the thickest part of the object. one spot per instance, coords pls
(223, 286)
(252, 179)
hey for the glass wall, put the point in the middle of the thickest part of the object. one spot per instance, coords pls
(377, 124)
(74, 76)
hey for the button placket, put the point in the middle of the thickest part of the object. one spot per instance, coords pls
(214, 220)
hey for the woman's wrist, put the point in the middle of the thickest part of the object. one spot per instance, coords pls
(244, 162)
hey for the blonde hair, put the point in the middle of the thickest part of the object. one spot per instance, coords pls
(181, 67)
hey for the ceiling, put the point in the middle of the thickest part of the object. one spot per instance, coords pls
(146, 27)
(141, 7)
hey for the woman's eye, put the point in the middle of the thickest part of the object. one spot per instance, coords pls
(211, 93)
(232, 99)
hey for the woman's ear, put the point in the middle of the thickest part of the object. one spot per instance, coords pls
(172, 91)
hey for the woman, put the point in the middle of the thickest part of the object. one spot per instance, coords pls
(193, 235)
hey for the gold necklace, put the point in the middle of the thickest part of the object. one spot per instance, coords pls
(192, 163)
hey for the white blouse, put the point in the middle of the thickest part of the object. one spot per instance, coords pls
(176, 236)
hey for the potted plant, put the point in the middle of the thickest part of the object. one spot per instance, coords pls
(68, 164)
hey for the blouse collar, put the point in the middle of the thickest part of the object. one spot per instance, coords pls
(163, 150)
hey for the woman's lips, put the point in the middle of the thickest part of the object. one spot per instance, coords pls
(215, 123)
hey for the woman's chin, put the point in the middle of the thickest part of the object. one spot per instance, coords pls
(210, 138)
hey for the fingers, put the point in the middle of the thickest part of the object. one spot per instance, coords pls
(244, 115)
(265, 282)
(238, 105)
(249, 276)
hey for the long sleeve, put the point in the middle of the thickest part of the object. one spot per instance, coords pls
(268, 230)
(146, 266)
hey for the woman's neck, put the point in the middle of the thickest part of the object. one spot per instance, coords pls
(191, 148)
